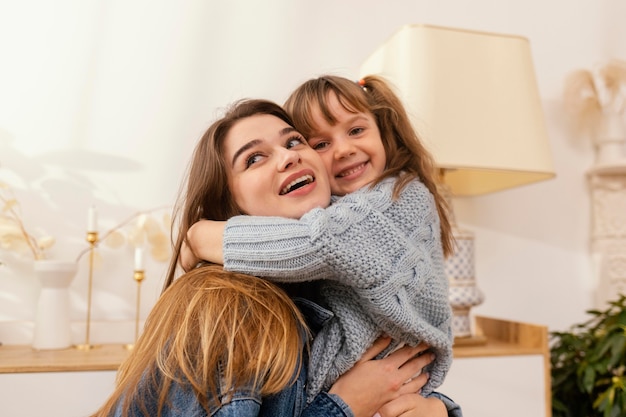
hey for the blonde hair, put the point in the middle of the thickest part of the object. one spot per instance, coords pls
(209, 320)
(407, 158)
(206, 193)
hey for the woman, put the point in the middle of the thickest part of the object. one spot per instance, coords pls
(270, 171)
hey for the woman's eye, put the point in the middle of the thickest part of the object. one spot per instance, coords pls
(253, 159)
(295, 141)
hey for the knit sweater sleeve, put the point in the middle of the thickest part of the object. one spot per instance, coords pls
(360, 240)
(281, 249)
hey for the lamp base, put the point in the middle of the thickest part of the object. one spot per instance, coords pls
(461, 323)
(464, 293)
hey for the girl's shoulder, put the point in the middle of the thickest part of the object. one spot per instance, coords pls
(410, 189)
(381, 194)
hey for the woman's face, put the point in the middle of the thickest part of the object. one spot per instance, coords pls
(352, 149)
(272, 171)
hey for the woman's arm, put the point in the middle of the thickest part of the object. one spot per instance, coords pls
(385, 385)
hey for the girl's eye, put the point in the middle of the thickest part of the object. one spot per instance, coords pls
(356, 131)
(320, 145)
(253, 159)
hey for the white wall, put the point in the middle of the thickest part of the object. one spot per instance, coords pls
(101, 102)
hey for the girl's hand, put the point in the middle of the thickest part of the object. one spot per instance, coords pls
(188, 260)
(204, 242)
(371, 384)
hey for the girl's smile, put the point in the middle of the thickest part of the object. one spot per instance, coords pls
(352, 149)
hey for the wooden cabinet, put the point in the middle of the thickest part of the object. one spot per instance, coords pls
(56, 383)
(509, 375)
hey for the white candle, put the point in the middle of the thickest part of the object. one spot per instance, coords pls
(138, 259)
(92, 220)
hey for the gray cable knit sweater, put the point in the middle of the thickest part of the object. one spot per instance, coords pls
(383, 270)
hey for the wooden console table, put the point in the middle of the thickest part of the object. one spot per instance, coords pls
(19, 359)
(510, 339)
(502, 338)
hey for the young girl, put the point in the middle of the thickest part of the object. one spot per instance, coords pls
(379, 249)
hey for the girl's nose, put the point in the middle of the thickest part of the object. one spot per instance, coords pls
(343, 148)
(287, 158)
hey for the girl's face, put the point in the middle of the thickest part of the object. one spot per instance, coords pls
(272, 171)
(352, 149)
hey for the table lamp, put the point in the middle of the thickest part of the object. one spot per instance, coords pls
(473, 99)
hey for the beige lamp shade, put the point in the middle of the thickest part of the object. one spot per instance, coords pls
(473, 98)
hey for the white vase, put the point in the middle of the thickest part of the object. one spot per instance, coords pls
(52, 319)
(611, 139)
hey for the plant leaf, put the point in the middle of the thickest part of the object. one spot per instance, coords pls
(589, 378)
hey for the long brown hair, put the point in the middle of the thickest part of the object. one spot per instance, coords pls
(407, 157)
(259, 331)
(205, 194)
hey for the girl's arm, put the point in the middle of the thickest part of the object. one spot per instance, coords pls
(360, 240)
(205, 242)
(276, 242)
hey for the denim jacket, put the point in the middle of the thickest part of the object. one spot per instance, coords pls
(247, 403)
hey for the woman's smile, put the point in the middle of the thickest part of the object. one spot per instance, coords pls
(298, 183)
(274, 171)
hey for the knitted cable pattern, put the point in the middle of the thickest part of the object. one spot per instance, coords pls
(384, 267)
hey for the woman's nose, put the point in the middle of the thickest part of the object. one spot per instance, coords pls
(288, 158)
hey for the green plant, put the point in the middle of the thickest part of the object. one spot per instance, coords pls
(589, 364)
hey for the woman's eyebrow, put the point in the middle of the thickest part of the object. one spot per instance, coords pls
(255, 142)
(244, 148)
(287, 130)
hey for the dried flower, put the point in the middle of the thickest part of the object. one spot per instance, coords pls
(588, 94)
(13, 234)
(138, 230)
(144, 229)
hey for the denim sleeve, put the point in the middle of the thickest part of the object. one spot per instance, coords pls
(327, 405)
(331, 405)
(454, 410)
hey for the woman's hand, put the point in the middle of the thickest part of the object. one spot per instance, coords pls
(373, 385)
(414, 405)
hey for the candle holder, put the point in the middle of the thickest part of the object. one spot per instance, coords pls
(92, 239)
(138, 276)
